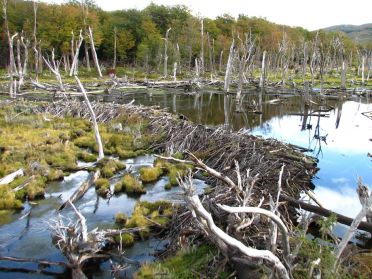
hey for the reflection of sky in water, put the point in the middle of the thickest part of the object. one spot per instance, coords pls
(342, 158)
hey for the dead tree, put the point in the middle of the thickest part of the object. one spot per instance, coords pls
(166, 52)
(115, 42)
(211, 66)
(19, 64)
(74, 67)
(25, 51)
(54, 67)
(84, 7)
(36, 53)
(229, 67)
(225, 242)
(94, 121)
(76, 243)
(12, 66)
(263, 70)
(94, 53)
(202, 47)
(343, 75)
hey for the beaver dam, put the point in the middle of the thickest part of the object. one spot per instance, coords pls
(234, 213)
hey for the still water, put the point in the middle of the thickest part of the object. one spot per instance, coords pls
(335, 129)
(340, 138)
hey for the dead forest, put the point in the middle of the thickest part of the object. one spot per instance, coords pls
(250, 219)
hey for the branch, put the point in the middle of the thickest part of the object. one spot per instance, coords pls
(83, 222)
(208, 225)
(267, 213)
(95, 125)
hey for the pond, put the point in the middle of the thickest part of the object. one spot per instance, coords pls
(341, 137)
(31, 237)
(338, 134)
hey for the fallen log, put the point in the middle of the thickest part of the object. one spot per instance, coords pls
(79, 193)
(11, 177)
(364, 226)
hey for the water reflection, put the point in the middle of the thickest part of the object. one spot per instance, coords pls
(333, 128)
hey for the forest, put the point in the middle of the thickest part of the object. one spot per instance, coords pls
(134, 38)
(158, 144)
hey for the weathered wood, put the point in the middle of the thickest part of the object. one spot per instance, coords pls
(73, 69)
(94, 121)
(324, 212)
(11, 177)
(229, 67)
(224, 241)
(80, 192)
(94, 53)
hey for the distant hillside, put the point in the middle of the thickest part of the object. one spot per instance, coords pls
(359, 33)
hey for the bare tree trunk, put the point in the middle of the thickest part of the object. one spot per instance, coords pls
(115, 36)
(262, 77)
(202, 47)
(211, 67)
(229, 67)
(175, 71)
(72, 49)
(220, 66)
(25, 49)
(55, 70)
(166, 53)
(178, 58)
(363, 63)
(41, 64)
(343, 75)
(94, 53)
(87, 62)
(101, 155)
(36, 53)
(19, 63)
(73, 70)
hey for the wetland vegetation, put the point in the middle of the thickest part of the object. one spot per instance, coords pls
(211, 132)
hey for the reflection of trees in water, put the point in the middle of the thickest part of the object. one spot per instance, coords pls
(319, 139)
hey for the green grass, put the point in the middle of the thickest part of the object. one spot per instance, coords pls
(186, 264)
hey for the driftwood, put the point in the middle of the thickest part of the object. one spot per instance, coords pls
(79, 193)
(11, 177)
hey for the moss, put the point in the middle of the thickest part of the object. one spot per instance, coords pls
(168, 186)
(61, 156)
(130, 185)
(8, 199)
(150, 174)
(125, 154)
(86, 156)
(126, 239)
(110, 166)
(86, 142)
(144, 212)
(102, 186)
(121, 218)
(36, 187)
(173, 171)
(54, 174)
